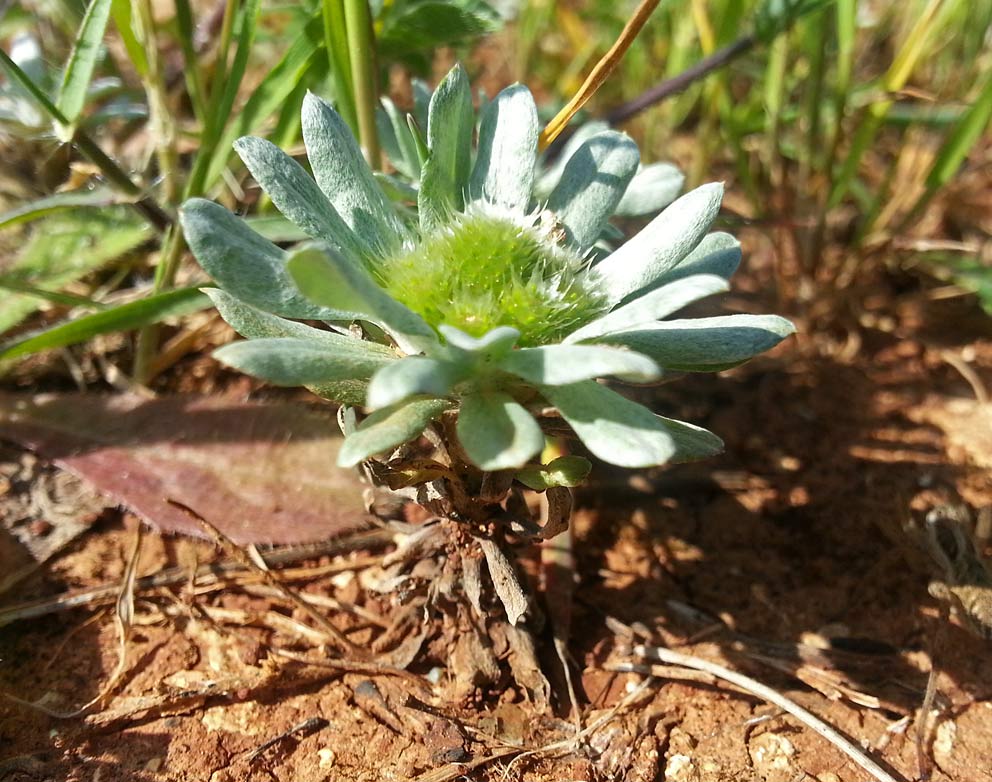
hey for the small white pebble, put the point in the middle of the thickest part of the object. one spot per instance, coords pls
(773, 751)
(943, 741)
(326, 756)
(680, 768)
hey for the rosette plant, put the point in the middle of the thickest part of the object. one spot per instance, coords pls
(484, 317)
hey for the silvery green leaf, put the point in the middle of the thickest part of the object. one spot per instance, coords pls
(547, 181)
(344, 392)
(421, 101)
(718, 253)
(667, 240)
(612, 427)
(488, 348)
(563, 471)
(252, 323)
(413, 376)
(504, 167)
(592, 184)
(652, 189)
(658, 304)
(244, 264)
(296, 195)
(326, 278)
(450, 123)
(346, 179)
(496, 432)
(558, 365)
(255, 324)
(397, 139)
(704, 344)
(388, 428)
(290, 361)
(691, 442)
(387, 135)
(396, 190)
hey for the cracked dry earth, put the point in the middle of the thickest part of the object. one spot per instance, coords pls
(793, 558)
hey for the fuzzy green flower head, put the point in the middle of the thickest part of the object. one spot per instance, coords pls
(493, 303)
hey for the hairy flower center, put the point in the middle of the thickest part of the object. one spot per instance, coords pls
(482, 271)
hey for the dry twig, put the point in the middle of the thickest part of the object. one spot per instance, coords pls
(764, 692)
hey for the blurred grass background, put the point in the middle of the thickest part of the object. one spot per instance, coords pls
(854, 135)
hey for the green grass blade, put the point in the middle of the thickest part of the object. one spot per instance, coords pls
(336, 45)
(962, 138)
(958, 143)
(125, 317)
(79, 68)
(222, 107)
(8, 283)
(120, 10)
(25, 82)
(917, 43)
(41, 207)
(194, 76)
(271, 93)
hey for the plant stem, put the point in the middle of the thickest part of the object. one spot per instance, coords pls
(682, 81)
(361, 48)
(162, 128)
(147, 342)
(145, 205)
(599, 74)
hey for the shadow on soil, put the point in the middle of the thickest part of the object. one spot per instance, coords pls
(797, 529)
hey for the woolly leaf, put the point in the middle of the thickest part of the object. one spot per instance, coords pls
(504, 167)
(346, 179)
(296, 194)
(668, 239)
(653, 188)
(557, 365)
(657, 304)
(290, 361)
(612, 427)
(244, 264)
(388, 428)
(449, 140)
(496, 432)
(705, 344)
(592, 184)
(326, 278)
(413, 376)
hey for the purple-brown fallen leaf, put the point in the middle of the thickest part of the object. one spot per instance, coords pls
(259, 472)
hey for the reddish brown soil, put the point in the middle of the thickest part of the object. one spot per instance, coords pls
(795, 535)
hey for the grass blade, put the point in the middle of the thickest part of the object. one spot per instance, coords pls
(41, 207)
(79, 69)
(271, 93)
(336, 45)
(194, 76)
(125, 317)
(962, 138)
(120, 10)
(8, 283)
(214, 130)
(25, 82)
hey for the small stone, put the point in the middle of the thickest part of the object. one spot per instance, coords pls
(154, 765)
(326, 757)
(680, 768)
(772, 755)
(943, 742)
